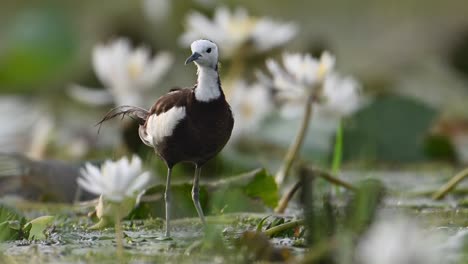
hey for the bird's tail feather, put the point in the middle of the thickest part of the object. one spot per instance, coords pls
(136, 113)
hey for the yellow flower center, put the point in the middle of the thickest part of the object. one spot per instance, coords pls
(247, 111)
(322, 71)
(134, 70)
(241, 29)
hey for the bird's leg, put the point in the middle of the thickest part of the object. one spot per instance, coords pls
(196, 194)
(167, 199)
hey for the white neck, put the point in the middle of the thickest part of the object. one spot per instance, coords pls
(208, 88)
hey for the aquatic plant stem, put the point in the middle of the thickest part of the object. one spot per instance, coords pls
(446, 188)
(283, 203)
(295, 147)
(330, 178)
(337, 153)
(279, 228)
(338, 149)
(119, 236)
(286, 198)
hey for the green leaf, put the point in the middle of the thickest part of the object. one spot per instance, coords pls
(391, 128)
(440, 147)
(38, 227)
(263, 186)
(10, 224)
(8, 231)
(261, 223)
(9, 214)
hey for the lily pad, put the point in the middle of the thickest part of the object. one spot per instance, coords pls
(391, 128)
(38, 227)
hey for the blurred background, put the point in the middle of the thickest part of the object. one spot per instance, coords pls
(411, 58)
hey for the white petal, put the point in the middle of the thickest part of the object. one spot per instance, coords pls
(139, 184)
(264, 40)
(93, 174)
(89, 96)
(156, 69)
(327, 63)
(89, 187)
(250, 105)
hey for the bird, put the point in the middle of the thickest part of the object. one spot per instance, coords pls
(186, 124)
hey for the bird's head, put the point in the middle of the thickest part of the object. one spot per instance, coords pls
(204, 53)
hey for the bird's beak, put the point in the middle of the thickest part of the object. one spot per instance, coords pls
(193, 57)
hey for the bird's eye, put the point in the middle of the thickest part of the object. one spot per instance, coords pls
(208, 50)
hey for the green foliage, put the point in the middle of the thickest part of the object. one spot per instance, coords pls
(37, 47)
(362, 209)
(391, 128)
(13, 226)
(263, 186)
(9, 214)
(251, 191)
(261, 223)
(37, 227)
(337, 150)
(439, 147)
(10, 224)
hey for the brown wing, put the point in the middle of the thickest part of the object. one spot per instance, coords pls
(175, 98)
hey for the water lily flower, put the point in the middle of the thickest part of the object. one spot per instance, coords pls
(120, 185)
(24, 126)
(117, 180)
(233, 30)
(303, 75)
(250, 105)
(342, 95)
(398, 240)
(125, 72)
(309, 86)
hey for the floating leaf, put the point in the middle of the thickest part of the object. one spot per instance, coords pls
(38, 227)
(263, 186)
(392, 129)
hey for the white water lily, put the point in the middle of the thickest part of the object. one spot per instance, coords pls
(309, 86)
(24, 126)
(126, 73)
(115, 181)
(250, 105)
(398, 240)
(302, 76)
(232, 30)
(341, 94)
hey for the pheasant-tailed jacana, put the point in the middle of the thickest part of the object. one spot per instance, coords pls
(187, 125)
